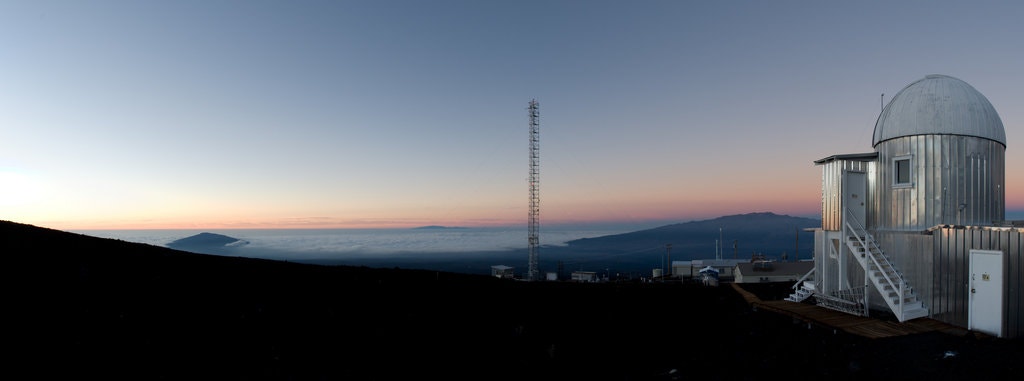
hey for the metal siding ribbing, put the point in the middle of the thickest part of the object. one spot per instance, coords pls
(950, 271)
(962, 184)
(936, 263)
(873, 204)
(999, 171)
(1015, 284)
(911, 254)
(931, 162)
(949, 301)
(823, 262)
(826, 267)
(958, 267)
(831, 190)
(937, 302)
(831, 216)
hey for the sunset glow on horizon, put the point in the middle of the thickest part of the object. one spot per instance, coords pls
(362, 114)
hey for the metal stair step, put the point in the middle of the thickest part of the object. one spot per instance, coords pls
(886, 279)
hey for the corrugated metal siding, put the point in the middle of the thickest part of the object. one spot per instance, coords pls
(936, 263)
(911, 254)
(831, 190)
(826, 267)
(948, 301)
(948, 171)
(831, 217)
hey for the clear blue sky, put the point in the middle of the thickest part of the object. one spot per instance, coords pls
(150, 114)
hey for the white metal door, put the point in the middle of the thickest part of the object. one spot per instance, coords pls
(986, 292)
(854, 190)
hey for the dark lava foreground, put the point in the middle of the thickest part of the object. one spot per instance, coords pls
(85, 307)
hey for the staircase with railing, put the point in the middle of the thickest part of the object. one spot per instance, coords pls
(889, 282)
(803, 288)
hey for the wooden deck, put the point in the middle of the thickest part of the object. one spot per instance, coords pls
(858, 325)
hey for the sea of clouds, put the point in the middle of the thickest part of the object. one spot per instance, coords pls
(305, 244)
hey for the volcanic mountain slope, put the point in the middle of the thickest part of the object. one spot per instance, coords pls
(208, 243)
(743, 234)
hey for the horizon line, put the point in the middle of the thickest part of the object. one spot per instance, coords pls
(650, 223)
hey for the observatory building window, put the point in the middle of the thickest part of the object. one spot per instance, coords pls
(901, 172)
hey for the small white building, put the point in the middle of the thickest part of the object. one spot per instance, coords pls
(687, 270)
(584, 276)
(503, 272)
(771, 271)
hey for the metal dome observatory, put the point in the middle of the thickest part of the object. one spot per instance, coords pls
(941, 154)
(916, 228)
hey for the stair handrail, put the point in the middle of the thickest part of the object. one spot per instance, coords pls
(855, 227)
(802, 279)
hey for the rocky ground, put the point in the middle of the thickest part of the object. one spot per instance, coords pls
(96, 308)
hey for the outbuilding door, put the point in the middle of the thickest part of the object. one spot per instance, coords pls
(985, 299)
(854, 195)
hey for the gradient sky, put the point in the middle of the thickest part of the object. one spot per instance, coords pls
(268, 114)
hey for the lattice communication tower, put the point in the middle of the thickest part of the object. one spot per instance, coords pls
(533, 273)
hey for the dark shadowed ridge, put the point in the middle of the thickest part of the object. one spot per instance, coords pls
(83, 257)
(84, 307)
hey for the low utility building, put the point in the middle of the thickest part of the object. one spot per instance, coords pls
(771, 271)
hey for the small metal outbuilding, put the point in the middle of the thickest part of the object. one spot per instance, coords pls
(584, 276)
(687, 270)
(503, 271)
(750, 272)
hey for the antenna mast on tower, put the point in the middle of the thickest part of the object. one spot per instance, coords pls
(534, 220)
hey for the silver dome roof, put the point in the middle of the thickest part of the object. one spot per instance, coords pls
(939, 105)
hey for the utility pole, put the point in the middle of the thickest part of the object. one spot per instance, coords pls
(797, 244)
(722, 243)
(668, 252)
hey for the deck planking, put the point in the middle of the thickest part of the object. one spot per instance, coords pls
(863, 326)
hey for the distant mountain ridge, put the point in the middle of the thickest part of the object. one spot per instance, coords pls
(737, 236)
